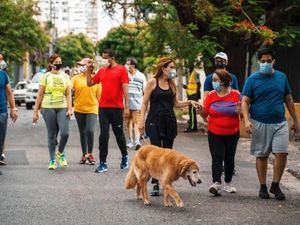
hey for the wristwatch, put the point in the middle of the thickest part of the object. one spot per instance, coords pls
(14, 109)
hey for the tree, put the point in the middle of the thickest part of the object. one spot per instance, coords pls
(19, 31)
(72, 48)
(126, 41)
(235, 26)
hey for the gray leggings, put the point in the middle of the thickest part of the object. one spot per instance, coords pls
(3, 128)
(86, 124)
(56, 120)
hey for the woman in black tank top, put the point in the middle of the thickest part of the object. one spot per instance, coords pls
(161, 125)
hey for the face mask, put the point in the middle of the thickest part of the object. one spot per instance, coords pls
(172, 74)
(57, 66)
(220, 65)
(266, 68)
(216, 86)
(83, 68)
(105, 62)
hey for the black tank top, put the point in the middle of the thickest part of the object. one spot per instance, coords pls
(161, 113)
(161, 101)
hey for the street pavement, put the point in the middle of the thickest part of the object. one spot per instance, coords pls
(31, 194)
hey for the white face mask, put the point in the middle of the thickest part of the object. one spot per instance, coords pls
(82, 69)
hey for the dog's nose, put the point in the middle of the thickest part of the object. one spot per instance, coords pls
(199, 181)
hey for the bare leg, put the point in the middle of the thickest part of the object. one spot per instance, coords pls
(261, 168)
(279, 166)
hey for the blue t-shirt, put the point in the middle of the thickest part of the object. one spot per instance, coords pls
(267, 94)
(3, 82)
(208, 82)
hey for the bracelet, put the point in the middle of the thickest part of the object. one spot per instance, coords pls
(14, 109)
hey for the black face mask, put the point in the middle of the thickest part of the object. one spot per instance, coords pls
(56, 66)
(220, 65)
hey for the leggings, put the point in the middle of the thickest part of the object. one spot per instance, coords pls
(222, 148)
(113, 116)
(56, 120)
(157, 140)
(86, 124)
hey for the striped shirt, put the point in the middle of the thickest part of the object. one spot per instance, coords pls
(136, 86)
(222, 111)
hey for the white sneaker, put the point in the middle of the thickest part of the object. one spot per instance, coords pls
(229, 188)
(215, 189)
(129, 145)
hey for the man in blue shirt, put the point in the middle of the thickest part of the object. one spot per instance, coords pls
(221, 62)
(5, 94)
(264, 94)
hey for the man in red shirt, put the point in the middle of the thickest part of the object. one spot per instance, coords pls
(114, 80)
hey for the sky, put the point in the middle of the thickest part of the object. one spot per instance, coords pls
(106, 22)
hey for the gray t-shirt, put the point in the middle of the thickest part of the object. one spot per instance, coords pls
(136, 86)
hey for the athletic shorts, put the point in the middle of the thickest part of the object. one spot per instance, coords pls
(267, 138)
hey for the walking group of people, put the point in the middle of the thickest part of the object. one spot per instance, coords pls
(116, 92)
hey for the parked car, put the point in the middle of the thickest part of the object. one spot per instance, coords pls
(32, 90)
(20, 92)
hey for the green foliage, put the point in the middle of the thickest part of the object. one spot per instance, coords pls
(73, 48)
(19, 31)
(126, 42)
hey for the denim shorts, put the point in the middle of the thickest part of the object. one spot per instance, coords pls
(267, 138)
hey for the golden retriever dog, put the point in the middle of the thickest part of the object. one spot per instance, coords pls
(165, 165)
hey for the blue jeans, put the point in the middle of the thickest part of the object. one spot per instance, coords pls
(3, 128)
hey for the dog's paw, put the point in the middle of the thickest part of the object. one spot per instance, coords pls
(180, 205)
(168, 204)
(139, 197)
(147, 202)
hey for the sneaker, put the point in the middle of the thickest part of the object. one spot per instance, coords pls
(215, 189)
(124, 162)
(101, 168)
(52, 165)
(138, 146)
(60, 157)
(129, 145)
(229, 188)
(275, 189)
(155, 191)
(3, 160)
(82, 160)
(90, 158)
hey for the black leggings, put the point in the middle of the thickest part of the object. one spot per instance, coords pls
(113, 116)
(222, 148)
(157, 140)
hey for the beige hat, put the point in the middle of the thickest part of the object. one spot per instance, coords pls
(85, 61)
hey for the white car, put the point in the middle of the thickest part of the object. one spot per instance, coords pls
(20, 92)
(32, 90)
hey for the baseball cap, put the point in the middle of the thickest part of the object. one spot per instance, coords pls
(221, 55)
(85, 61)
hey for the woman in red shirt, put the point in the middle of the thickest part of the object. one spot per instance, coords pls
(222, 109)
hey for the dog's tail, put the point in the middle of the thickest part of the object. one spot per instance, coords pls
(131, 180)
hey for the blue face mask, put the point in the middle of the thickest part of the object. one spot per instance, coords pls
(216, 86)
(266, 68)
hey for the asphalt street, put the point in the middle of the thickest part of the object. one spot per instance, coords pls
(31, 194)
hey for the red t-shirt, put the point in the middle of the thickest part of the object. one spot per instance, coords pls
(222, 111)
(112, 80)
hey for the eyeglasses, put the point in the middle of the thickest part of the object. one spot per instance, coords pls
(266, 61)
